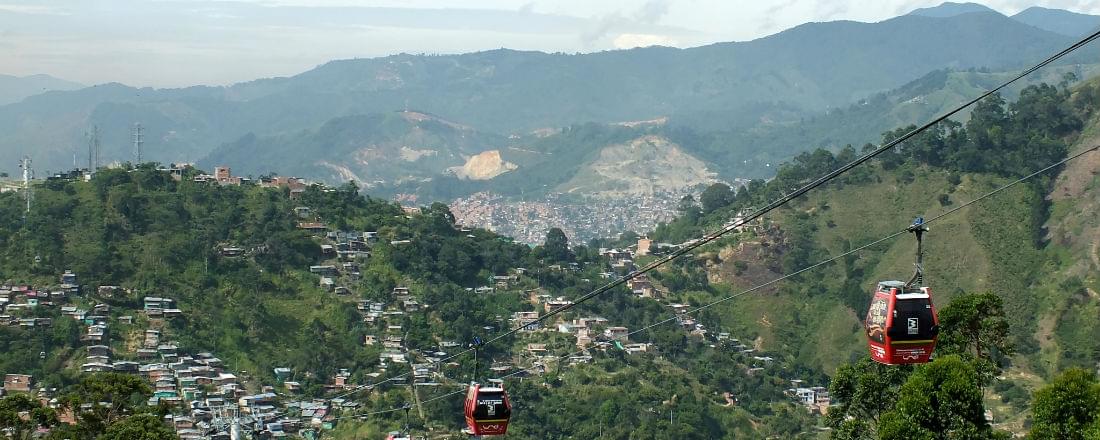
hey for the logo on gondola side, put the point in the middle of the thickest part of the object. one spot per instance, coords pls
(914, 326)
(492, 428)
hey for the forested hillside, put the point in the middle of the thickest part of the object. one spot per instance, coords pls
(414, 153)
(242, 263)
(1031, 247)
(258, 306)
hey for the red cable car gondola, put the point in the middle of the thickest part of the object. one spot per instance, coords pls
(487, 410)
(901, 324)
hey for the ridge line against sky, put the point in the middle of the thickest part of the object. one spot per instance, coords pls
(178, 43)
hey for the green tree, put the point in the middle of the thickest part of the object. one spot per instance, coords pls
(688, 205)
(941, 400)
(974, 325)
(20, 415)
(124, 395)
(1068, 408)
(139, 427)
(716, 196)
(556, 246)
(864, 390)
(1093, 433)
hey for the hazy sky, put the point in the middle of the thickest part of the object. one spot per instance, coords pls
(171, 43)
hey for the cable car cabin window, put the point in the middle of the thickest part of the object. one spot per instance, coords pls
(876, 320)
(912, 320)
(490, 406)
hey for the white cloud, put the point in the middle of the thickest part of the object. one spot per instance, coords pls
(630, 41)
(23, 8)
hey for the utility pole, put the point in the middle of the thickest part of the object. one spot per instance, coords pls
(137, 134)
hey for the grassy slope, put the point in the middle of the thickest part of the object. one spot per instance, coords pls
(957, 258)
(1050, 289)
(1071, 303)
(954, 262)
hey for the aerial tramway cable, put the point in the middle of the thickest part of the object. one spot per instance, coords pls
(706, 239)
(756, 288)
(796, 193)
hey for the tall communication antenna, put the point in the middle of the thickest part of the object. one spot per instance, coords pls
(91, 164)
(137, 133)
(93, 150)
(28, 174)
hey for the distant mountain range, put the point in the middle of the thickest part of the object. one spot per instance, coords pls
(737, 100)
(417, 153)
(16, 88)
(951, 9)
(1059, 21)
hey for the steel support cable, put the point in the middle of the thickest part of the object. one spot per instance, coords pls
(796, 193)
(842, 255)
(401, 408)
(706, 239)
(873, 243)
(760, 286)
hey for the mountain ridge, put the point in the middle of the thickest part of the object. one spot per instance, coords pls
(951, 9)
(511, 91)
(1059, 21)
(17, 88)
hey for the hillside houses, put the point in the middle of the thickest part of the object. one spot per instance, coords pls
(528, 321)
(616, 333)
(556, 304)
(18, 383)
(198, 384)
(155, 306)
(816, 399)
(621, 260)
(641, 286)
(341, 252)
(504, 281)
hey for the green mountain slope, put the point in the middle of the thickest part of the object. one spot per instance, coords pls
(373, 150)
(417, 154)
(1034, 246)
(262, 308)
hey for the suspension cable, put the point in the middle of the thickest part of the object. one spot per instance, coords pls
(758, 287)
(706, 239)
(796, 193)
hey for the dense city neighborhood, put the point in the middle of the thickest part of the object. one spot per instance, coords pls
(528, 221)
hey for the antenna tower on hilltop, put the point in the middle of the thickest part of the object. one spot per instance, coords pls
(28, 174)
(93, 150)
(137, 133)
